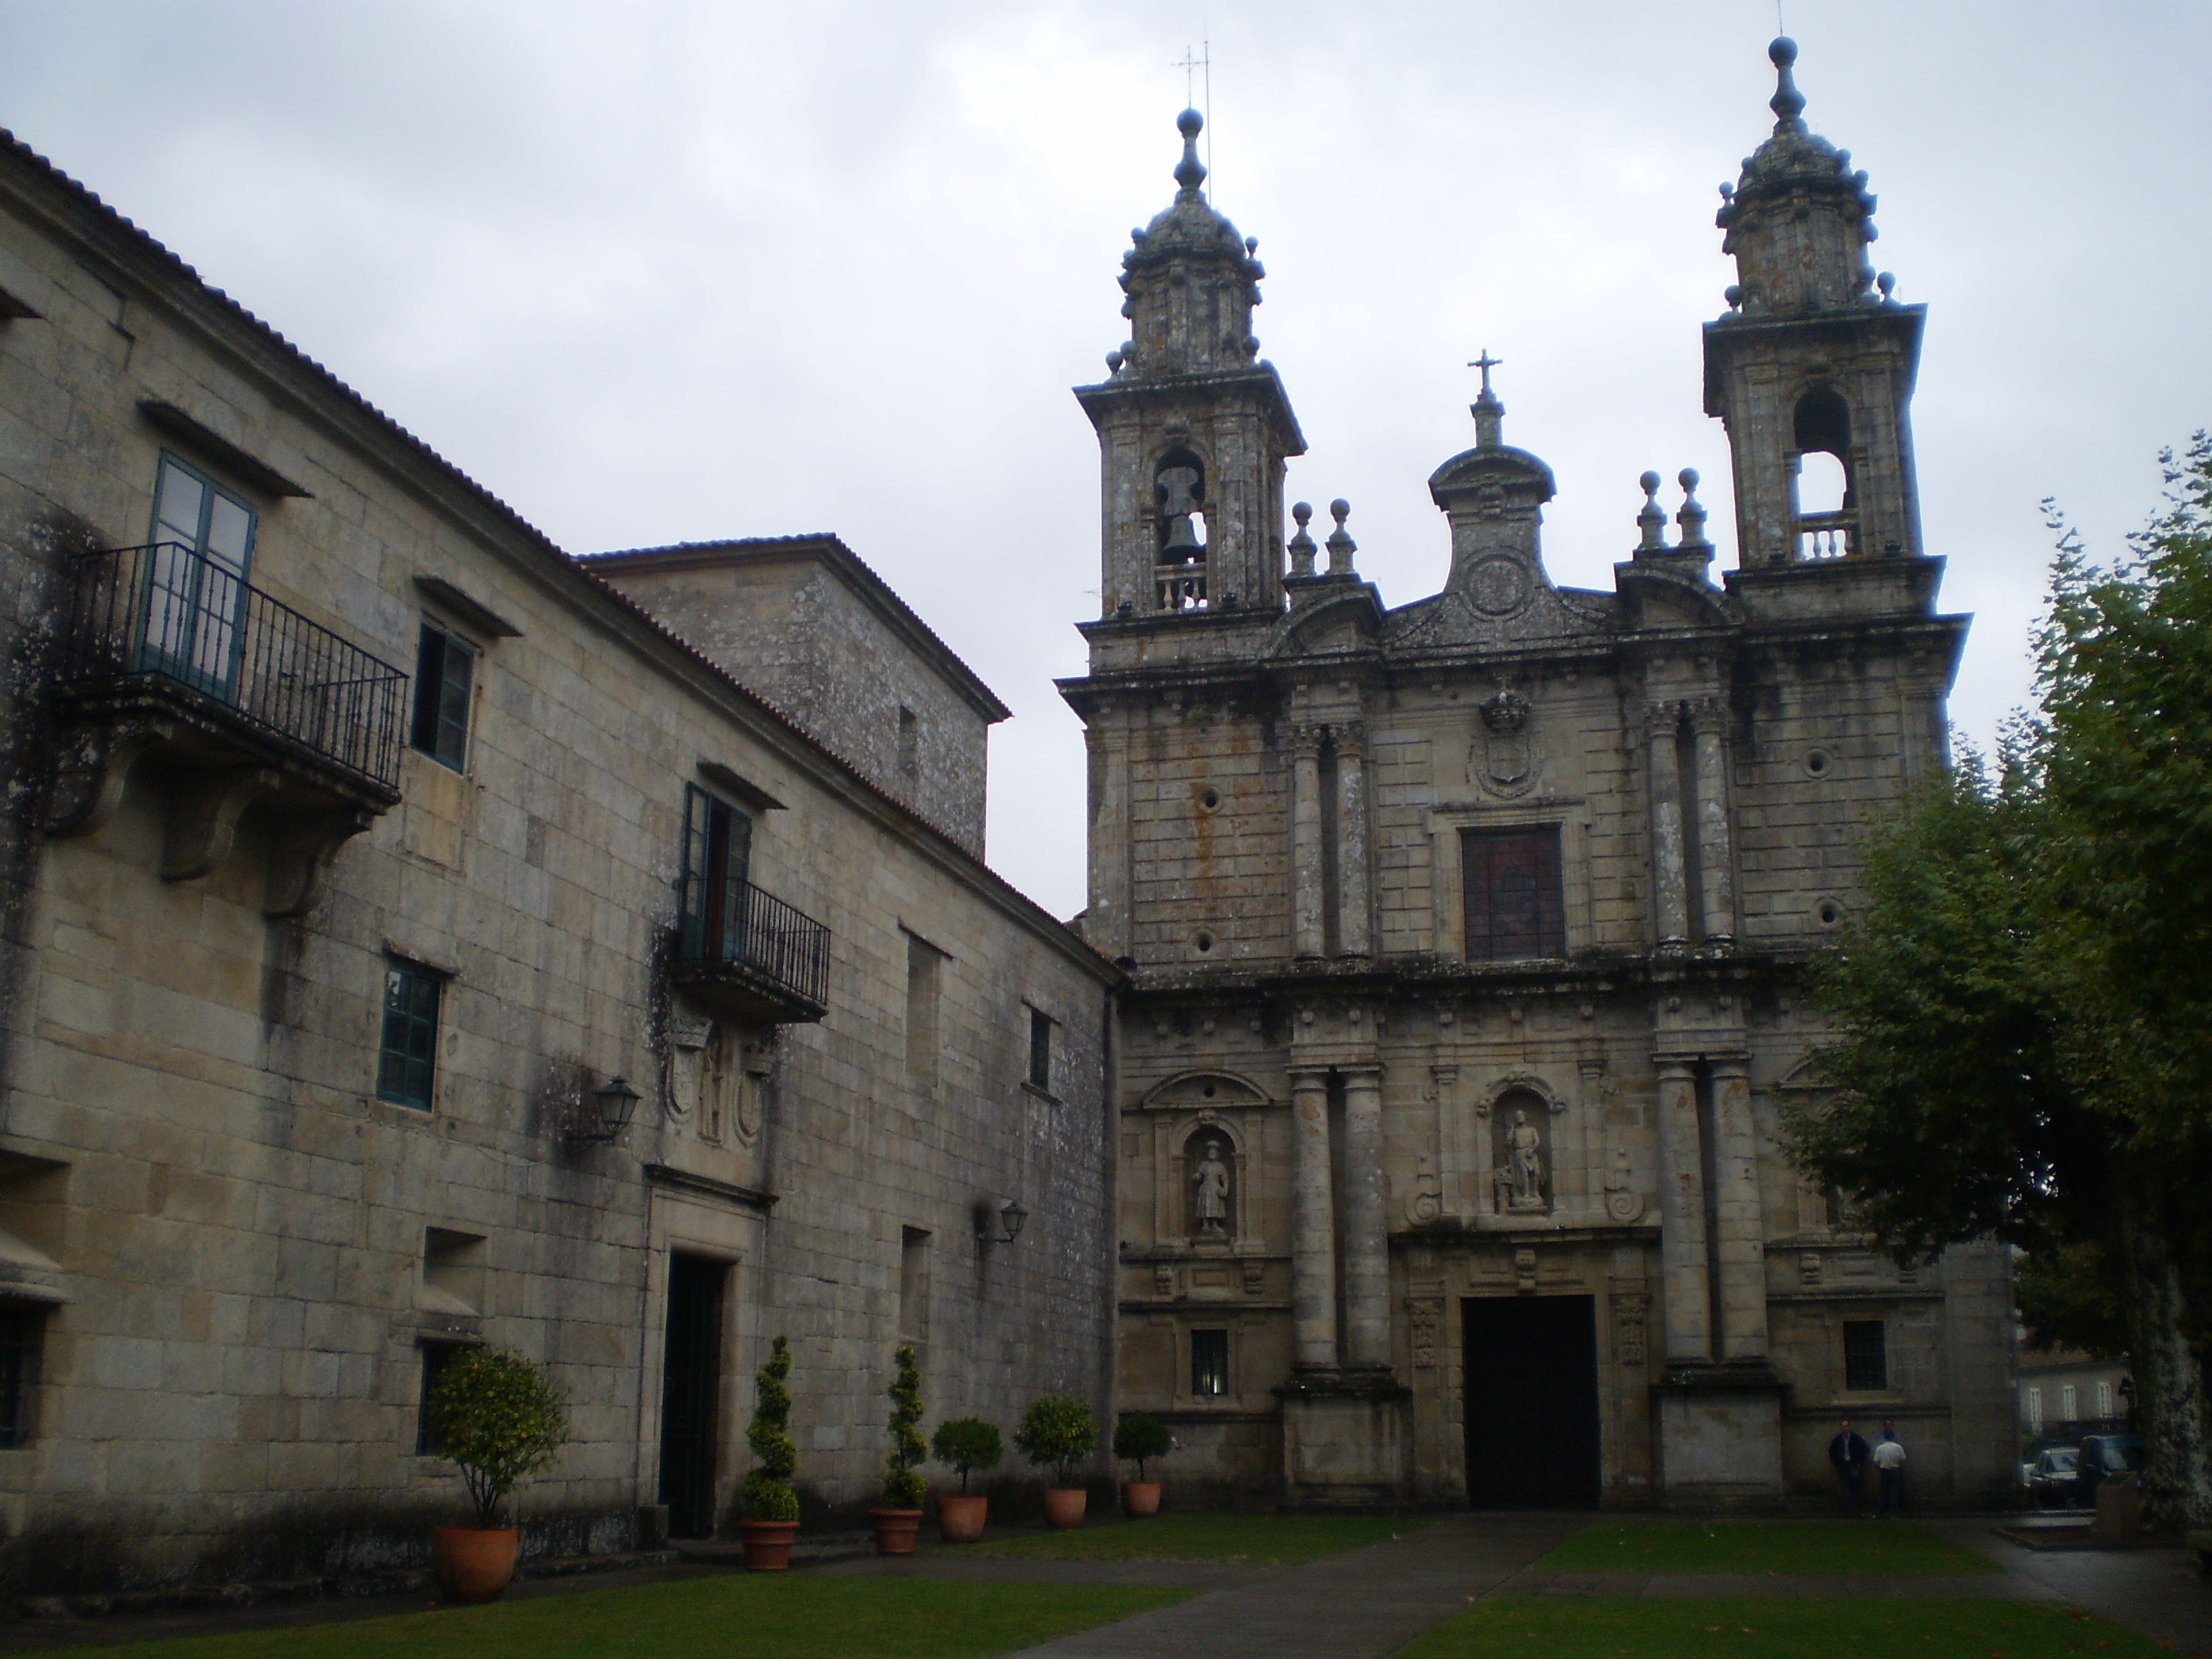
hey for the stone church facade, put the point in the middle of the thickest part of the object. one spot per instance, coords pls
(1464, 935)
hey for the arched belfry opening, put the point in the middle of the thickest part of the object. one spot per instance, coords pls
(1179, 501)
(1821, 467)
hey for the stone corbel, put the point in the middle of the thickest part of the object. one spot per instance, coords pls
(204, 812)
(94, 764)
(300, 860)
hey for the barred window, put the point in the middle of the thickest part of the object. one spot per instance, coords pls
(1866, 1356)
(1513, 907)
(1209, 1362)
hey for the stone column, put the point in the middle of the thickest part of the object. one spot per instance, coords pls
(1716, 845)
(1306, 937)
(1669, 889)
(1106, 927)
(1367, 1229)
(1313, 1224)
(1355, 921)
(1739, 1250)
(1688, 1299)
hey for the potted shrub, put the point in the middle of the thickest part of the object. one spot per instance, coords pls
(1138, 1439)
(1059, 1431)
(495, 1414)
(971, 1446)
(771, 1506)
(900, 1518)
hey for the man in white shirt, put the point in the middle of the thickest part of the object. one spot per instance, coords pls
(1889, 1463)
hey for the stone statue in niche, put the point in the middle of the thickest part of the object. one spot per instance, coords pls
(1521, 1172)
(1210, 1192)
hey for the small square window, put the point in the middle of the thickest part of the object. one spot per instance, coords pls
(1040, 1051)
(436, 1355)
(23, 1327)
(1209, 1362)
(1866, 1356)
(407, 1065)
(445, 669)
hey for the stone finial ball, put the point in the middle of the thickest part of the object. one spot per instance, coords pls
(1782, 52)
(1649, 484)
(1302, 510)
(1190, 121)
(1339, 509)
(1688, 479)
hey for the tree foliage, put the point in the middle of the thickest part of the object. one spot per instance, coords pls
(496, 1415)
(1138, 1439)
(1058, 1430)
(969, 1444)
(768, 1492)
(2026, 1002)
(903, 1485)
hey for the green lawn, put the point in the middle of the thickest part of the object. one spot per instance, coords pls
(1564, 1627)
(729, 1616)
(1761, 1547)
(1260, 1538)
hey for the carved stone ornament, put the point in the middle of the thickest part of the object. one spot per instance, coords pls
(1623, 1203)
(1255, 1276)
(1424, 1205)
(1504, 758)
(1498, 585)
(1631, 1315)
(1524, 1269)
(1426, 1321)
(1164, 1280)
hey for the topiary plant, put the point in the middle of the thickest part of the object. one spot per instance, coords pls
(904, 1487)
(769, 1494)
(1057, 1430)
(969, 1445)
(494, 1413)
(1138, 1439)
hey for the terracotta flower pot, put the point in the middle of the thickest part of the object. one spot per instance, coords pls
(896, 1530)
(960, 1517)
(1141, 1498)
(473, 1564)
(767, 1543)
(1063, 1506)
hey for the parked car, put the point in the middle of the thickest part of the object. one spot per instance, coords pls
(2055, 1476)
(2106, 1457)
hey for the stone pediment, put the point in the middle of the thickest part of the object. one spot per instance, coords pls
(1501, 612)
(1206, 1091)
(1348, 620)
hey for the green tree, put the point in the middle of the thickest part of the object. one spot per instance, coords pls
(495, 1415)
(903, 1485)
(1140, 1439)
(769, 1493)
(969, 1445)
(2025, 1002)
(1058, 1430)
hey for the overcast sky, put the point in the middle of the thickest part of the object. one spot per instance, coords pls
(664, 272)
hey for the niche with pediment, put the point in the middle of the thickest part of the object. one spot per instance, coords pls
(1521, 1153)
(1206, 1129)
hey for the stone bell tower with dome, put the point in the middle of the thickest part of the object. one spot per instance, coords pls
(1464, 935)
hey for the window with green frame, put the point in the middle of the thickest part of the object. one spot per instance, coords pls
(445, 669)
(407, 1063)
(718, 842)
(195, 603)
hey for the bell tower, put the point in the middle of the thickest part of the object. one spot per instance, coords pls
(1194, 428)
(1812, 367)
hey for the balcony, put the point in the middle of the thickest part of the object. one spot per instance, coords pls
(240, 701)
(1180, 587)
(1824, 535)
(765, 964)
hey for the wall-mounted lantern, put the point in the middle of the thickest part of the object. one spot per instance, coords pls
(606, 1112)
(1001, 1224)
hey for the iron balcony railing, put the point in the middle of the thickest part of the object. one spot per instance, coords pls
(760, 932)
(165, 613)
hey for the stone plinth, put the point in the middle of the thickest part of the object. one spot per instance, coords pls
(1345, 1437)
(1720, 1437)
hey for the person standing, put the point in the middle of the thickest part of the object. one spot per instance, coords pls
(1889, 1464)
(1847, 1452)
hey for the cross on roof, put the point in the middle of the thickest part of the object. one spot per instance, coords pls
(1485, 363)
(1190, 64)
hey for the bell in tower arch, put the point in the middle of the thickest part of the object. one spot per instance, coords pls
(1179, 488)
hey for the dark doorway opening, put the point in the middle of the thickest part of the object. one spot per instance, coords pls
(1532, 1423)
(691, 1393)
